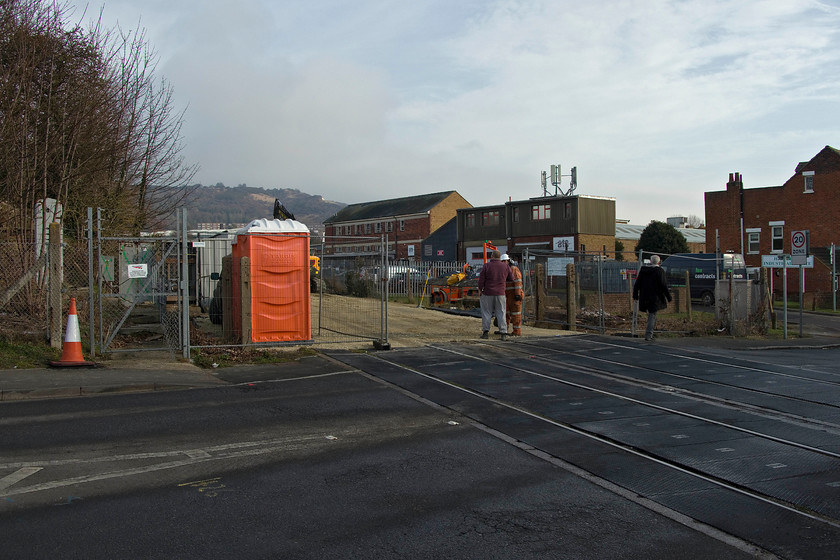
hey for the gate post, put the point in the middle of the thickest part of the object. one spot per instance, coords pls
(226, 281)
(92, 330)
(184, 285)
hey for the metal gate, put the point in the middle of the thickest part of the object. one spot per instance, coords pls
(141, 297)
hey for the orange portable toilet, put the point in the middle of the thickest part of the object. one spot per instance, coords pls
(279, 256)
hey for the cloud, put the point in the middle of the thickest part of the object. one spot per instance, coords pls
(652, 101)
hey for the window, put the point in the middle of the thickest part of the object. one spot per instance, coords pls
(541, 212)
(753, 241)
(490, 218)
(402, 225)
(777, 237)
(470, 220)
(389, 226)
(515, 216)
(367, 228)
(378, 227)
(809, 181)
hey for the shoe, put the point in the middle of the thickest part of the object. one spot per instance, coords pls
(504, 336)
(485, 335)
(649, 338)
(497, 332)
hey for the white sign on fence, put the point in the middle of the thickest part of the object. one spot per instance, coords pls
(778, 261)
(138, 270)
(557, 266)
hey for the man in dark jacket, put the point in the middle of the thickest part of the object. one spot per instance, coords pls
(652, 293)
(494, 275)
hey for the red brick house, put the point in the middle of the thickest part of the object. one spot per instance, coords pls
(405, 223)
(808, 200)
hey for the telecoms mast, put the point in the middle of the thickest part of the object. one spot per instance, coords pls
(555, 181)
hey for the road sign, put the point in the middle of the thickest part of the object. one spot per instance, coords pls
(778, 261)
(799, 247)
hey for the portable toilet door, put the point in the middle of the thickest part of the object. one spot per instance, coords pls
(279, 307)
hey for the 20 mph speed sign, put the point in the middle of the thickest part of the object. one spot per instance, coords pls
(799, 247)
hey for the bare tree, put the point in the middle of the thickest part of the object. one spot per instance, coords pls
(84, 120)
(696, 221)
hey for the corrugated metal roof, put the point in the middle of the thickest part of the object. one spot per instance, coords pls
(389, 208)
(629, 231)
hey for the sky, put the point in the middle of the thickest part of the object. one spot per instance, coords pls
(653, 101)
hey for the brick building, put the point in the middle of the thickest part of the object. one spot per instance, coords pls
(808, 200)
(403, 223)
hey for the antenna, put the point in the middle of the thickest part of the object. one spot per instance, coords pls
(556, 175)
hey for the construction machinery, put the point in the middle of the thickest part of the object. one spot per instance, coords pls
(460, 286)
(454, 288)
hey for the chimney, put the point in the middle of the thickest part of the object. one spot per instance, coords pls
(735, 182)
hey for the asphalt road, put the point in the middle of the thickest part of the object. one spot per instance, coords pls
(320, 462)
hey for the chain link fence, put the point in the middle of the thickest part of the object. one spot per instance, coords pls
(602, 298)
(24, 286)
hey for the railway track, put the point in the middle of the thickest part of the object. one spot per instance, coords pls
(750, 448)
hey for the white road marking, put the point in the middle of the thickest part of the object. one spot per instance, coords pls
(17, 476)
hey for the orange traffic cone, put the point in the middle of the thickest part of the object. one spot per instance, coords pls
(71, 352)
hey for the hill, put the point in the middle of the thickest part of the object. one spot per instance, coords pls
(241, 204)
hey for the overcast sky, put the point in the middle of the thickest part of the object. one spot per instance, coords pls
(654, 101)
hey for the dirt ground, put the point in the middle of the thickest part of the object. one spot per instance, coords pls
(409, 326)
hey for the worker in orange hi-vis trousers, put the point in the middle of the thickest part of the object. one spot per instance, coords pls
(514, 296)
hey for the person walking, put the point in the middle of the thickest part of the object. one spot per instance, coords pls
(652, 293)
(492, 279)
(513, 298)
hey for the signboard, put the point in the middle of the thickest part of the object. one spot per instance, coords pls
(138, 270)
(198, 243)
(440, 252)
(411, 250)
(778, 261)
(557, 266)
(798, 247)
(563, 245)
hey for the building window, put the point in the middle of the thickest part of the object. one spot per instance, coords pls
(809, 181)
(777, 237)
(541, 212)
(490, 218)
(367, 228)
(389, 226)
(378, 227)
(515, 216)
(470, 220)
(402, 225)
(753, 241)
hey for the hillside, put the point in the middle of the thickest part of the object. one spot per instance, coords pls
(237, 205)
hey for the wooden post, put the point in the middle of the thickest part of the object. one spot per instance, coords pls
(55, 311)
(245, 295)
(571, 296)
(539, 294)
(769, 296)
(688, 295)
